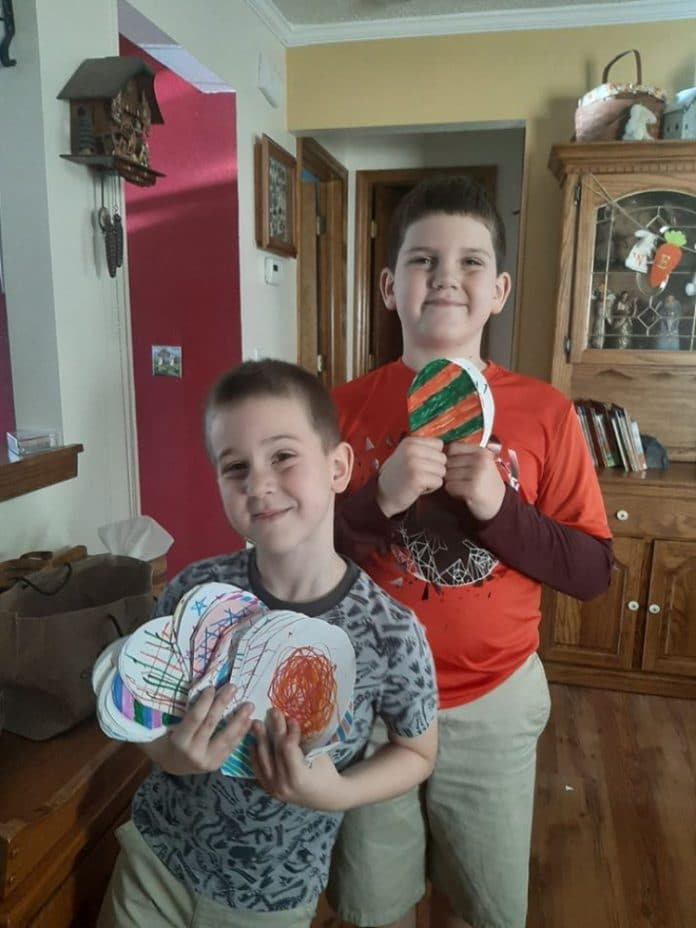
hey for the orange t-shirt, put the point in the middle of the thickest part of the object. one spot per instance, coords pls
(481, 616)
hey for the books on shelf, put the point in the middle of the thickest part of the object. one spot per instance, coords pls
(612, 437)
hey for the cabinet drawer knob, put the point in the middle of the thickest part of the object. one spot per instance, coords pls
(622, 515)
(653, 609)
(633, 605)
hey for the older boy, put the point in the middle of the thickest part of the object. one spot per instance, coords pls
(464, 536)
(205, 849)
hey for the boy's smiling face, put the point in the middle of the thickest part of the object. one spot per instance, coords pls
(445, 286)
(277, 481)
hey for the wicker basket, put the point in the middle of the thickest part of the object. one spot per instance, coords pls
(603, 112)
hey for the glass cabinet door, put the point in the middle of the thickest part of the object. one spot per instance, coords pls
(642, 293)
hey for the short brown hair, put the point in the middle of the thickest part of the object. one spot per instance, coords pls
(455, 195)
(270, 377)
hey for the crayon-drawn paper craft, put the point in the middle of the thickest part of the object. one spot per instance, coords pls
(229, 613)
(131, 708)
(202, 614)
(451, 400)
(238, 764)
(303, 667)
(125, 725)
(220, 668)
(144, 683)
(215, 640)
(151, 667)
(107, 660)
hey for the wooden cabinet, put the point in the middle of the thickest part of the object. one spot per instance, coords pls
(621, 338)
(617, 338)
(641, 634)
(60, 801)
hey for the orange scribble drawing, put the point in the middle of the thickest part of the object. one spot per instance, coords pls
(304, 688)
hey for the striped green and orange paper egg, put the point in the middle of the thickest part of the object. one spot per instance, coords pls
(449, 399)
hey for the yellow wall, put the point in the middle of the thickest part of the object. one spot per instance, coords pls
(532, 76)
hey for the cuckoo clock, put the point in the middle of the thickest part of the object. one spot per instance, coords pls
(112, 107)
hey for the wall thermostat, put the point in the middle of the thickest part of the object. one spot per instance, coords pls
(273, 271)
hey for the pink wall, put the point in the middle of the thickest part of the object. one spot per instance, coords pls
(184, 288)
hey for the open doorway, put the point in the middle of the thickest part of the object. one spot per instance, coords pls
(377, 333)
(405, 148)
(321, 270)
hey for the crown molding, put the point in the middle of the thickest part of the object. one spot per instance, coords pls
(270, 16)
(619, 12)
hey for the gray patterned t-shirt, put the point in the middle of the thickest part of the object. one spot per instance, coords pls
(226, 838)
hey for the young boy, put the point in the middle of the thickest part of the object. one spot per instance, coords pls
(208, 850)
(464, 536)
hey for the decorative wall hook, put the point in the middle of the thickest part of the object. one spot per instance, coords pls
(8, 19)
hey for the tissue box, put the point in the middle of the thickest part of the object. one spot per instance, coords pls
(143, 538)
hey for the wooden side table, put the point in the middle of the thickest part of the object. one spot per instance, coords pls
(60, 801)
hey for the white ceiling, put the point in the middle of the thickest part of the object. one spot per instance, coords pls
(309, 22)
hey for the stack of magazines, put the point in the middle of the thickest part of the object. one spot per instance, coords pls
(612, 437)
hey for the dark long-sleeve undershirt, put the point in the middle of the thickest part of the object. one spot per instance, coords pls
(522, 537)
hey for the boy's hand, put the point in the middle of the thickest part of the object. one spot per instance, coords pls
(195, 745)
(281, 768)
(473, 476)
(417, 466)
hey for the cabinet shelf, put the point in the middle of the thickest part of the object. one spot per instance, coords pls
(37, 471)
(680, 475)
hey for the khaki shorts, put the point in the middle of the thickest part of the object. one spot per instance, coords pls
(144, 894)
(468, 828)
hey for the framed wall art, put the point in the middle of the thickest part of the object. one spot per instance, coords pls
(276, 198)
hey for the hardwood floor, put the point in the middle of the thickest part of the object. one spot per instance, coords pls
(614, 842)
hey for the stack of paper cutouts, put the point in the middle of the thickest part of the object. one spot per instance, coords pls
(451, 400)
(304, 667)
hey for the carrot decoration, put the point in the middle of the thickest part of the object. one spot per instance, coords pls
(667, 257)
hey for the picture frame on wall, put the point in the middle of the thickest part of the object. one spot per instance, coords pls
(275, 198)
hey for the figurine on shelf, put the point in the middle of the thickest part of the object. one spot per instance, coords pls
(603, 300)
(642, 251)
(638, 126)
(668, 329)
(622, 319)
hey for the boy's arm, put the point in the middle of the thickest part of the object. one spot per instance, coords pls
(394, 769)
(363, 520)
(408, 706)
(282, 770)
(360, 526)
(565, 558)
(562, 539)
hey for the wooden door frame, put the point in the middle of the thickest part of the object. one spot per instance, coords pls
(334, 180)
(365, 182)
